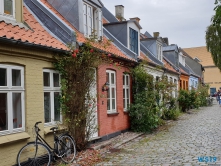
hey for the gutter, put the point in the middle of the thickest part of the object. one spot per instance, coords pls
(19, 42)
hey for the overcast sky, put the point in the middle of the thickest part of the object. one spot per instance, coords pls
(184, 22)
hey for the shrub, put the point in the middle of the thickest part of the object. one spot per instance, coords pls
(143, 112)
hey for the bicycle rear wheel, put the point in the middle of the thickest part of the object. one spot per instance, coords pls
(66, 148)
(34, 154)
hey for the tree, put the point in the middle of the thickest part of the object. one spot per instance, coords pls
(213, 35)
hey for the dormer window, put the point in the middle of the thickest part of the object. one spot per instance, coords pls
(92, 21)
(7, 8)
(133, 40)
(159, 52)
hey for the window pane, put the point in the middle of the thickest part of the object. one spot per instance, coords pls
(123, 93)
(113, 104)
(107, 78)
(128, 103)
(3, 112)
(3, 77)
(113, 92)
(112, 78)
(127, 80)
(8, 7)
(108, 104)
(124, 103)
(17, 110)
(127, 94)
(16, 77)
(57, 116)
(47, 107)
(123, 79)
(46, 79)
(56, 79)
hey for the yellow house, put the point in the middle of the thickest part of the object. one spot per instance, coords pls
(212, 75)
(28, 83)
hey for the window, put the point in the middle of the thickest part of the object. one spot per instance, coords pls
(51, 80)
(111, 93)
(175, 88)
(126, 91)
(7, 8)
(92, 19)
(133, 40)
(159, 52)
(12, 116)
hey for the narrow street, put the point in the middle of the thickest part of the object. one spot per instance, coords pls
(193, 140)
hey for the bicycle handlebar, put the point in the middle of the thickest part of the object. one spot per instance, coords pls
(37, 123)
(36, 127)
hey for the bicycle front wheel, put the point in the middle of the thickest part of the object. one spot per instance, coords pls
(34, 154)
(66, 148)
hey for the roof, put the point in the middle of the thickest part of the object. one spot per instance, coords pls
(80, 37)
(170, 48)
(150, 55)
(148, 35)
(202, 54)
(37, 35)
(184, 70)
(168, 66)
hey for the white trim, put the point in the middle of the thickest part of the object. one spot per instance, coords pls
(112, 85)
(51, 90)
(9, 89)
(125, 88)
(12, 17)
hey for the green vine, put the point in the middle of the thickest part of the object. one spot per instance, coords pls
(78, 103)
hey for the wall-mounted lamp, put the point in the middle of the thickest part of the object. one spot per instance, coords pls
(105, 87)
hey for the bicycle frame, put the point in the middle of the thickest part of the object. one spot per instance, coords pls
(40, 139)
(56, 142)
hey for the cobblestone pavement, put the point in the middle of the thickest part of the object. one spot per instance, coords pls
(194, 135)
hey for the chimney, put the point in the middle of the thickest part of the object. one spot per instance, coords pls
(135, 18)
(165, 39)
(119, 12)
(156, 34)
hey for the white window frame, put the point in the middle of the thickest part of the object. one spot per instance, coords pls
(159, 52)
(112, 85)
(51, 89)
(9, 89)
(2, 10)
(96, 21)
(125, 88)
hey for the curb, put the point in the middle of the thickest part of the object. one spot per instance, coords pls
(127, 140)
(102, 145)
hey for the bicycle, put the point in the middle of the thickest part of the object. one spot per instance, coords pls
(39, 152)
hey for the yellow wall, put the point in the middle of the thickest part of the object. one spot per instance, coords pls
(33, 61)
(212, 76)
(19, 10)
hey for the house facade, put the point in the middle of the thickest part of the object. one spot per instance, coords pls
(211, 73)
(27, 80)
(112, 116)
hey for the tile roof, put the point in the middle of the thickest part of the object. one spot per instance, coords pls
(81, 38)
(168, 66)
(36, 35)
(202, 54)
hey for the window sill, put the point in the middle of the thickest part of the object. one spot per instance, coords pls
(112, 113)
(48, 131)
(13, 137)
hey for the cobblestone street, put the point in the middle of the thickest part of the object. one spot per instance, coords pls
(182, 143)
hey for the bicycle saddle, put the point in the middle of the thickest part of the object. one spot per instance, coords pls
(54, 128)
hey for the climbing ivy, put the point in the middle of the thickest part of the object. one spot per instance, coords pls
(78, 104)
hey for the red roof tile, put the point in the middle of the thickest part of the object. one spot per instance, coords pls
(38, 35)
(81, 38)
(168, 66)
